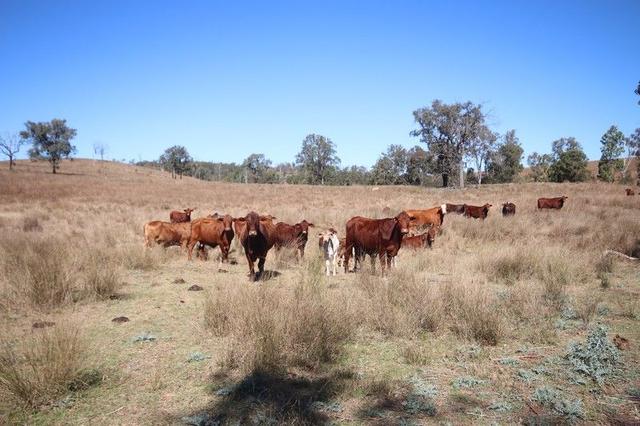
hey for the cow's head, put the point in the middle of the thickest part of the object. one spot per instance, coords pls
(188, 211)
(564, 197)
(226, 220)
(303, 227)
(487, 206)
(252, 221)
(444, 208)
(403, 220)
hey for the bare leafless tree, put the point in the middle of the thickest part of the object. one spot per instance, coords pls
(100, 149)
(10, 144)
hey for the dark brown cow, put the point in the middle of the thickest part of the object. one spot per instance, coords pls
(212, 232)
(167, 234)
(551, 203)
(257, 235)
(630, 191)
(381, 237)
(455, 208)
(293, 236)
(508, 209)
(179, 217)
(477, 212)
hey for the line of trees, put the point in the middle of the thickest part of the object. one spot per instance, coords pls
(454, 135)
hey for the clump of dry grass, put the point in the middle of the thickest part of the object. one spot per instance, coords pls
(472, 312)
(403, 305)
(37, 370)
(272, 328)
(101, 275)
(135, 257)
(43, 271)
(37, 270)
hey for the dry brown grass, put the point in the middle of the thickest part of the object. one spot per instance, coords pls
(501, 283)
(36, 370)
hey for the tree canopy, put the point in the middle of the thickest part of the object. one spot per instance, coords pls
(569, 161)
(506, 162)
(448, 130)
(176, 160)
(612, 146)
(50, 140)
(317, 158)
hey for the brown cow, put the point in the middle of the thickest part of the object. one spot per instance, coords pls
(422, 240)
(179, 217)
(427, 218)
(455, 208)
(508, 209)
(257, 235)
(292, 235)
(477, 212)
(630, 191)
(212, 232)
(375, 236)
(551, 203)
(167, 234)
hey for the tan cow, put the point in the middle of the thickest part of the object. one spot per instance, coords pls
(167, 234)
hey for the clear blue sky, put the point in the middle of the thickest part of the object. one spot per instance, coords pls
(227, 79)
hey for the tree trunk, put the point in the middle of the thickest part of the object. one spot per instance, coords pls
(445, 180)
(10, 162)
(461, 173)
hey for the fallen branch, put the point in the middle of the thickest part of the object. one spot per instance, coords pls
(617, 253)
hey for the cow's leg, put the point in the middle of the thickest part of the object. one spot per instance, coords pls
(224, 251)
(383, 261)
(347, 255)
(327, 266)
(335, 264)
(252, 271)
(260, 267)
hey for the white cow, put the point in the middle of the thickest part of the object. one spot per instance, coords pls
(330, 245)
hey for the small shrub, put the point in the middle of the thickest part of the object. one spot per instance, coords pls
(501, 406)
(37, 370)
(466, 382)
(595, 358)
(550, 398)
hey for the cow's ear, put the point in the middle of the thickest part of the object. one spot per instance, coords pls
(240, 219)
(386, 229)
(311, 225)
(220, 219)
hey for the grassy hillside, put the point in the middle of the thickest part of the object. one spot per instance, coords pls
(477, 330)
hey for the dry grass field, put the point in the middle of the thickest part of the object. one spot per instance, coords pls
(510, 320)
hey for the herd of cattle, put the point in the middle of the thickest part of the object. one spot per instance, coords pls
(257, 234)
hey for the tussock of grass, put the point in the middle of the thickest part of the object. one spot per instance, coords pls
(272, 329)
(37, 370)
(37, 271)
